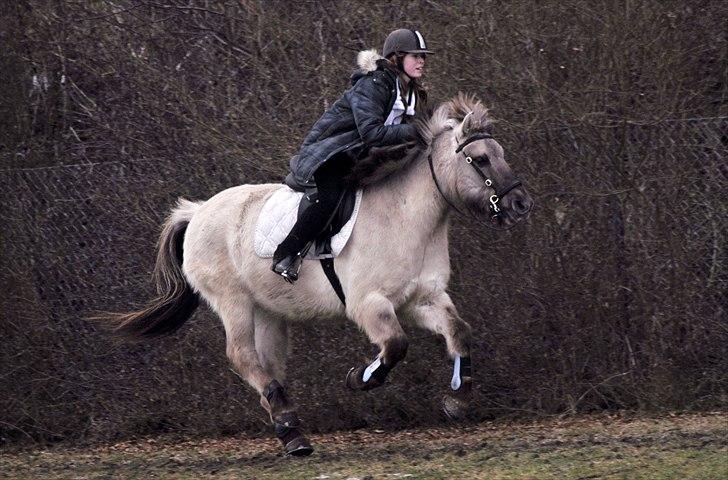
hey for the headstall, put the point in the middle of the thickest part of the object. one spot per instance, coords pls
(495, 211)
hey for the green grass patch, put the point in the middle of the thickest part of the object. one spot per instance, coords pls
(689, 447)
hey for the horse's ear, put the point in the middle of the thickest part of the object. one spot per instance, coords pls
(465, 126)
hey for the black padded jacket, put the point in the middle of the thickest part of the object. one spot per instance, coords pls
(353, 123)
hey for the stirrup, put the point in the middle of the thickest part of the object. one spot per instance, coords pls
(289, 267)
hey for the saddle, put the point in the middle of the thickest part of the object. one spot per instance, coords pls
(342, 214)
(274, 223)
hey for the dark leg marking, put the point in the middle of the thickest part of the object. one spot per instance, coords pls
(286, 421)
(457, 402)
(366, 377)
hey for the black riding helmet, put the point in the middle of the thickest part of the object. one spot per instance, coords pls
(404, 40)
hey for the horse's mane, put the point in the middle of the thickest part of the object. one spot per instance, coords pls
(380, 162)
(451, 113)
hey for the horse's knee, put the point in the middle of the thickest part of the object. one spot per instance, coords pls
(376, 316)
(462, 334)
(395, 349)
(458, 332)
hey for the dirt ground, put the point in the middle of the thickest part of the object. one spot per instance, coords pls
(620, 446)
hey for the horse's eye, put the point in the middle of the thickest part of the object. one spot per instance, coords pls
(483, 160)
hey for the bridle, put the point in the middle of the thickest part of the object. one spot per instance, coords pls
(495, 211)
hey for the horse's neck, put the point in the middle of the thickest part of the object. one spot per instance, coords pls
(412, 195)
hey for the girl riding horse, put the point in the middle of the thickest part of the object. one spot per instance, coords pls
(372, 113)
(457, 166)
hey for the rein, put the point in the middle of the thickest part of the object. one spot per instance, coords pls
(497, 195)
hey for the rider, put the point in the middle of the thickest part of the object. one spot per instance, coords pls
(372, 113)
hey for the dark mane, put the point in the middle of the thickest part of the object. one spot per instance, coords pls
(464, 104)
(380, 162)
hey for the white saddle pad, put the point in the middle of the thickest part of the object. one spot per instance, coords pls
(278, 216)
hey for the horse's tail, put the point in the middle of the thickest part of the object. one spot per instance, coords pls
(176, 300)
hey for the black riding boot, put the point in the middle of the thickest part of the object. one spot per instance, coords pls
(288, 257)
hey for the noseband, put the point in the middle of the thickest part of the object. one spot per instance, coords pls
(495, 198)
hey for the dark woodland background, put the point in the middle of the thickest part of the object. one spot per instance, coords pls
(612, 296)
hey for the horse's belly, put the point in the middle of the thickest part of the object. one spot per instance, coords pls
(311, 297)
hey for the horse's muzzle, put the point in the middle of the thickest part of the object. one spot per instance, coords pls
(521, 203)
(515, 207)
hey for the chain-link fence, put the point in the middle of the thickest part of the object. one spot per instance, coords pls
(612, 296)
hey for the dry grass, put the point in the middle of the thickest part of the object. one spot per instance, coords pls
(584, 447)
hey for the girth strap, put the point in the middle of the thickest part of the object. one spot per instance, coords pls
(328, 265)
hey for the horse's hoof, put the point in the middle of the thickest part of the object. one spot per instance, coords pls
(455, 408)
(354, 379)
(298, 447)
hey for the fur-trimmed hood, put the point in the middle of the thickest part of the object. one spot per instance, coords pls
(369, 61)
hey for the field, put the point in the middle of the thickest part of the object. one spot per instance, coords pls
(623, 446)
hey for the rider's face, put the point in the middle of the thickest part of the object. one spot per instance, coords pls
(414, 64)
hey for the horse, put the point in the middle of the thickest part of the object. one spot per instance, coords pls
(395, 266)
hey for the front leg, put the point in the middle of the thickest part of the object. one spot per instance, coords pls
(436, 313)
(375, 315)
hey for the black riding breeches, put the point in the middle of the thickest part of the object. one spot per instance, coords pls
(330, 187)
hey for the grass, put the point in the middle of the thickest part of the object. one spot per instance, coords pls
(691, 446)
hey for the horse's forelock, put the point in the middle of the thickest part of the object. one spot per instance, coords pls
(464, 105)
(452, 113)
(437, 123)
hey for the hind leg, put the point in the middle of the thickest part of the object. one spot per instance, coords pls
(271, 344)
(237, 314)
(437, 313)
(375, 315)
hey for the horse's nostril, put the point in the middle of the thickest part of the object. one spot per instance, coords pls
(522, 206)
